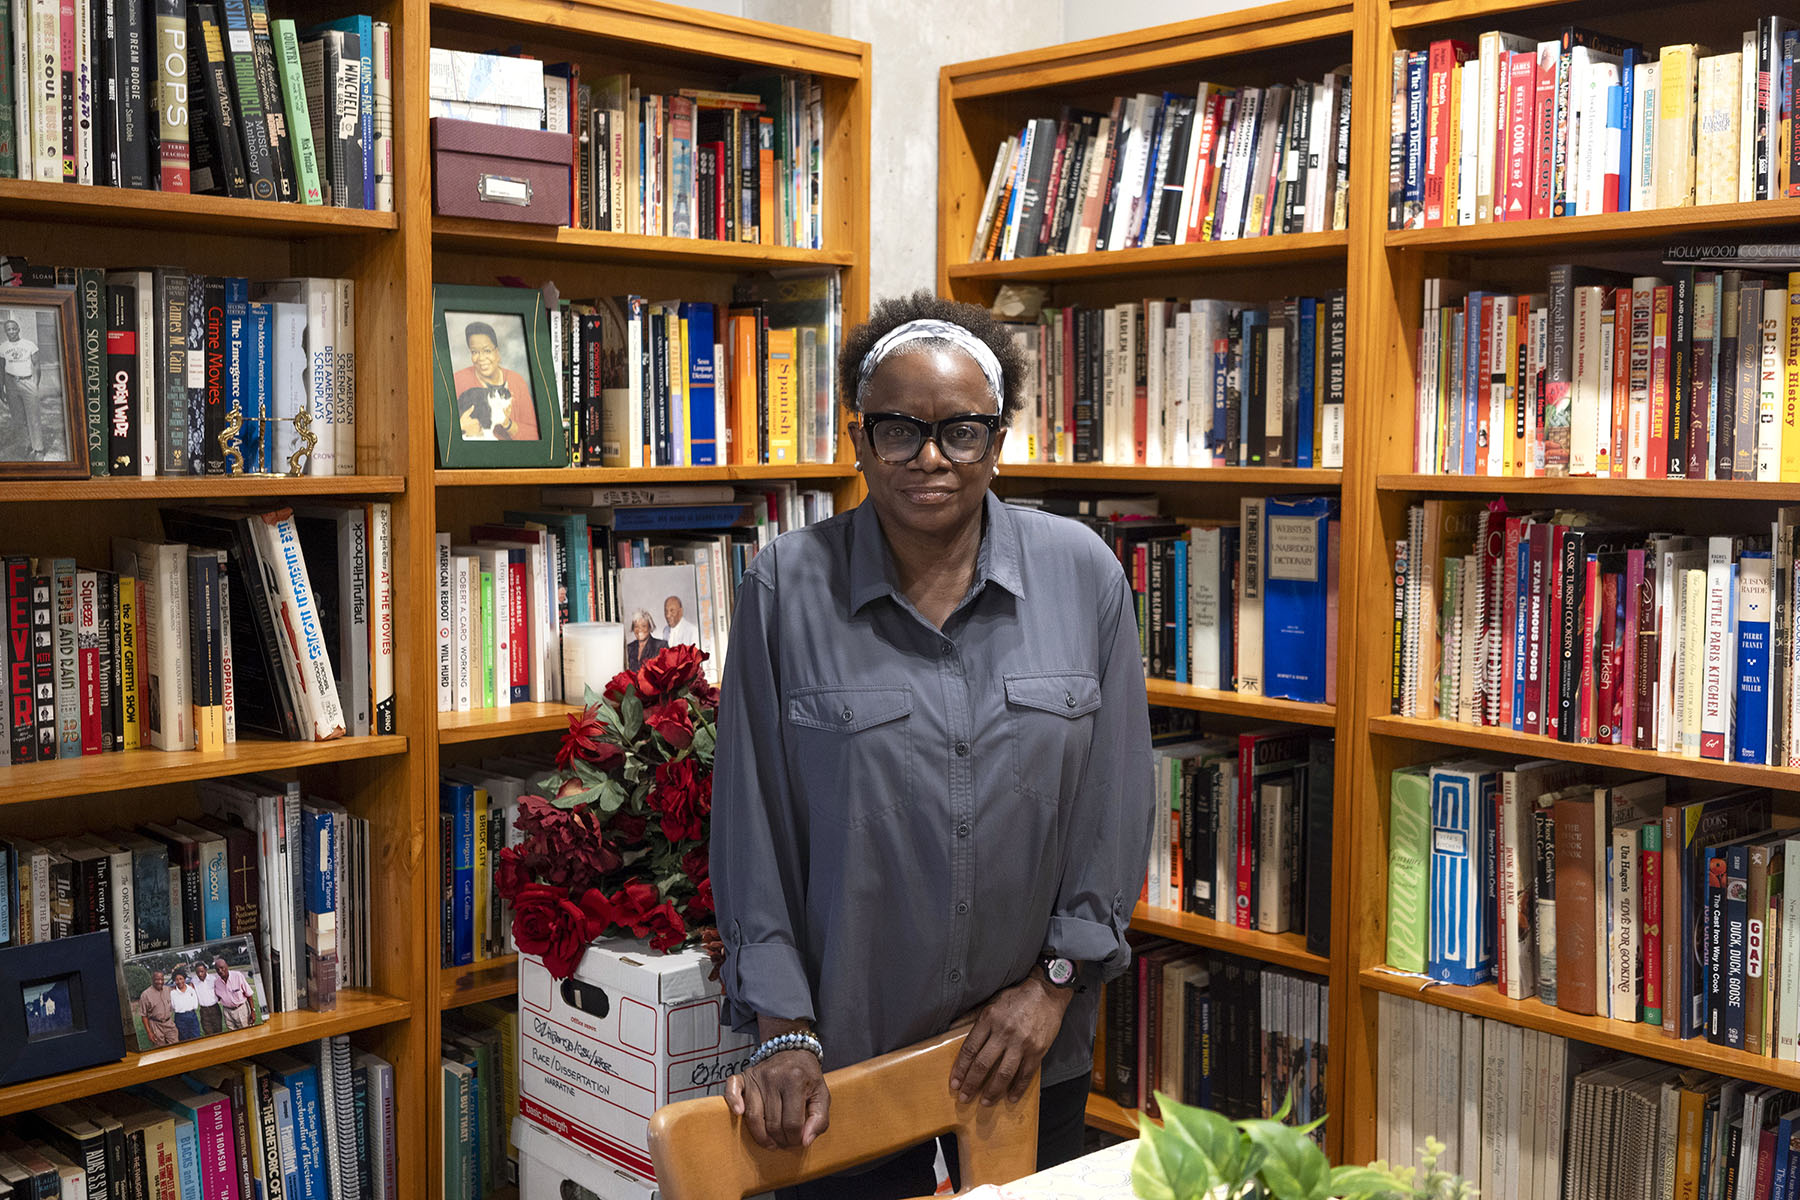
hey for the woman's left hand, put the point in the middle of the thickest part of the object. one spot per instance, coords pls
(1012, 1033)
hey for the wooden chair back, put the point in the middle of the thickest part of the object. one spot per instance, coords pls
(878, 1107)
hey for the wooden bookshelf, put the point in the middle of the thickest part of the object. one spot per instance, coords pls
(1165, 694)
(1277, 949)
(1249, 253)
(489, 979)
(28, 782)
(1659, 489)
(247, 488)
(839, 472)
(63, 203)
(1245, 479)
(1651, 227)
(1106, 1115)
(488, 724)
(589, 245)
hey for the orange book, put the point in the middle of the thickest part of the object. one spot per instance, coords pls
(1623, 316)
(745, 381)
(768, 224)
(783, 392)
(1576, 900)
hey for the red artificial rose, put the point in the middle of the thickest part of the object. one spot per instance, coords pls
(586, 736)
(664, 926)
(627, 828)
(705, 695)
(682, 797)
(696, 865)
(598, 912)
(670, 671)
(511, 872)
(673, 722)
(631, 902)
(701, 904)
(616, 687)
(550, 925)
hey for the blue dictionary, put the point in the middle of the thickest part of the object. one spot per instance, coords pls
(1751, 744)
(1180, 557)
(703, 433)
(1459, 939)
(1413, 197)
(458, 799)
(1308, 385)
(1295, 596)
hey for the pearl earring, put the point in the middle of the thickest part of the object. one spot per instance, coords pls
(859, 464)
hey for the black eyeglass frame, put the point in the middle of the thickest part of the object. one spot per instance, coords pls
(929, 431)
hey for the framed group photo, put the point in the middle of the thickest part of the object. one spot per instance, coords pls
(493, 379)
(191, 992)
(660, 607)
(43, 426)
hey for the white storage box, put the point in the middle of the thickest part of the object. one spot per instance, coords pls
(548, 1165)
(629, 1032)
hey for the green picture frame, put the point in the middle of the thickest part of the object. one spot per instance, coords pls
(491, 343)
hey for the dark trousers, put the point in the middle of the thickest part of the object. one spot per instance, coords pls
(1062, 1115)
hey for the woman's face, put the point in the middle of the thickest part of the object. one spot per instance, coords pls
(486, 357)
(640, 629)
(930, 496)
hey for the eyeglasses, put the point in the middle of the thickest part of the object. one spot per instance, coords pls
(897, 438)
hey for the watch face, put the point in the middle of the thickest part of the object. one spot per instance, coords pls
(1060, 970)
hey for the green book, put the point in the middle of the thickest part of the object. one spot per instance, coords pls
(490, 640)
(1409, 868)
(457, 1131)
(299, 123)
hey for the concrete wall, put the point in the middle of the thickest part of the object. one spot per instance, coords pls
(1097, 18)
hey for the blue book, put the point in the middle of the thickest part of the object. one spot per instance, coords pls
(301, 1079)
(1249, 321)
(1751, 708)
(187, 1158)
(1628, 96)
(1181, 609)
(319, 890)
(283, 1100)
(1296, 596)
(1781, 1182)
(1460, 949)
(1216, 439)
(703, 434)
(651, 518)
(1308, 385)
(1018, 188)
(237, 391)
(363, 26)
(1141, 230)
(1413, 193)
(259, 367)
(1615, 119)
(458, 799)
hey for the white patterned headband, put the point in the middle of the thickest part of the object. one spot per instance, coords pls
(926, 328)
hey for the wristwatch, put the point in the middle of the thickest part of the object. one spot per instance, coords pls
(1059, 971)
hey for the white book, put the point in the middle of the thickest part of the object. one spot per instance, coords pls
(1501, 309)
(1234, 187)
(344, 426)
(1274, 834)
(85, 98)
(1747, 105)
(1689, 660)
(462, 566)
(1717, 682)
(20, 66)
(1446, 1052)
(350, 657)
(287, 380)
(161, 570)
(1518, 916)
(1156, 378)
(1135, 160)
(1110, 320)
(227, 667)
(1644, 81)
(1121, 428)
(1320, 157)
(1177, 432)
(1626, 900)
(1495, 1051)
(1467, 1115)
(1469, 119)
(1205, 606)
(496, 563)
(1423, 1094)
(1787, 1012)
(1585, 390)
(1526, 1118)
(1009, 241)
(320, 300)
(1488, 183)
(1675, 556)
(1003, 161)
(1250, 597)
(1721, 90)
(1091, 184)
(1225, 857)
(1191, 163)
(46, 105)
(383, 719)
(1768, 421)
(446, 628)
(290, 591)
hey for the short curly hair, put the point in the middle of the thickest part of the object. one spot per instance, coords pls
(896, 311)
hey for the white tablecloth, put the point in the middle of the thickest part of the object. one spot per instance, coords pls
(1102, 1175)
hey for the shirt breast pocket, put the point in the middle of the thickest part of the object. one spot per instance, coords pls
(855, 745)
(1049, 717)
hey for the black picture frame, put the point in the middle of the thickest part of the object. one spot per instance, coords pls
(78, 971)
(43, 414)
(474, 430)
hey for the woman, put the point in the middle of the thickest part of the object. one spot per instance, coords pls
(932, 795)
(640, 647)
(186, 1003)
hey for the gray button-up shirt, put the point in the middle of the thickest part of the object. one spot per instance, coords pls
(905, 819)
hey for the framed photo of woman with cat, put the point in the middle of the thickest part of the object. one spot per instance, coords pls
(493, 375)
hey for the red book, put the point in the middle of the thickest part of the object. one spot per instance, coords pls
(1553, 630)
(22, 723)
(1606, 679)
(1621, 379)
(1765, 1162)
(1206, 150)
(1543, 133)
(1521, 175)
(1650, 866)
(1440, 61)
(1661, 305)
(1590, 628)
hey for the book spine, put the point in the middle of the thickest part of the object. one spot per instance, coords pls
(253, 123)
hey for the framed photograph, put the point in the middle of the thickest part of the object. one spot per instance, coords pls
(43, 429)
(191, 992)
(493, 380)
(660, 607)
(59, 1007)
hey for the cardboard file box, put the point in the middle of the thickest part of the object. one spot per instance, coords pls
(500, 173)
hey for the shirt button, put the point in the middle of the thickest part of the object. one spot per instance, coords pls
(847, 714)
(946, 648)
(955, 976)
(1068, 696)
(962, 830)
(962, 906)
(962, 749)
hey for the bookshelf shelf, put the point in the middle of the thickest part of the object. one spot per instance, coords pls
(1106, 1115)
(71, 203)
(472, 234)
(1505, 741)
(226, 487)
(1284, 249)
(1167, 694)
(355, 1010)
(486, 724)
(1675, 489)
(1281, 949)
(1240, 477)
(489, 979)
(26, 782)
(1631, 1037)
(648, 476)
(1598, 229)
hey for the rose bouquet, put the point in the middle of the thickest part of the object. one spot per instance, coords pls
(617, 844)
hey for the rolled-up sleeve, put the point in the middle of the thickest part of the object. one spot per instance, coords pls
(1110, 821)
(758, 871)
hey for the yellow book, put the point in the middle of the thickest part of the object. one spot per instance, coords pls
(484, 876)
(129, 730)
(1676, 106)
(1790, 384)
(784, 381)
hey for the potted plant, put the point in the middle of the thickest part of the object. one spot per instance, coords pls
(1196, 1154)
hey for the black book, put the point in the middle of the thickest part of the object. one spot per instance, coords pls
(749, 165)
(106, 610)
(1256, 386)
(15, 589)
(43, 665)
(338, 140)
(591, 398)
(122, 380)
(128, 106)
(193, 391)
(1109, 184)
(713, 127)
(1724, 407)
(215, 343)
(93, 887)
(170, 287)
(1290, 384)
(1681, 376)
(706, 191)
(90, 291)
(1084, 130)
(1122, 1036)
(1174, 183)
(214, 143)
(1321, 762)
(1202, 868)
(76, 1139)
(268, 90)
(253, 122)
(658, 344)
(1300, 147)
(206, 658)
(1083, 407)
(1232, 380)
(1250, 1069)
(1033, 181)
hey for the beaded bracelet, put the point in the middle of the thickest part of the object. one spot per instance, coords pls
(799, 1040)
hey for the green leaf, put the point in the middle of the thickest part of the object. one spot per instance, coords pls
(1293, 1167)
(1167, 1164)
(1211, 1134)
(609, 796)
(631, 716)
(577, 799)
(705, 741)
(1364, 1182)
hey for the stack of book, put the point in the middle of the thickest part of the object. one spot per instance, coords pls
(222, 102)
(735, 166)
(694, 384)
(476, 807)
(315, 1120)
(1220, 164)
(1691, 374)
(1560, 624)
(597, 554)
(1225, 1033)
(1248, 835)
(481, 1092)
(1195, 383)
(1526, 1113)
(1512, 128)
(238, 869)
(171, 360)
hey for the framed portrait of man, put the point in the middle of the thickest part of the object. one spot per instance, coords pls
(43, 428)
(494, 382)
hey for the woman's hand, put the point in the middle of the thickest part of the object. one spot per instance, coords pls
(783, 1100)
(1002, 1054)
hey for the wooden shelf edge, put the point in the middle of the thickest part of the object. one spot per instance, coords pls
(356, 1010)
(639, 477)
(489, 979)
(1105, 1114)
(1278, 949)
(247, 487)
(1634, 1038)
(26, 782)
(1499, 485)
(1153, 260)
(131, 208)
(1505, 741)
(1167, 694)
(563, 241)
(487, 724)
(1548, 232)
(1274, 477)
